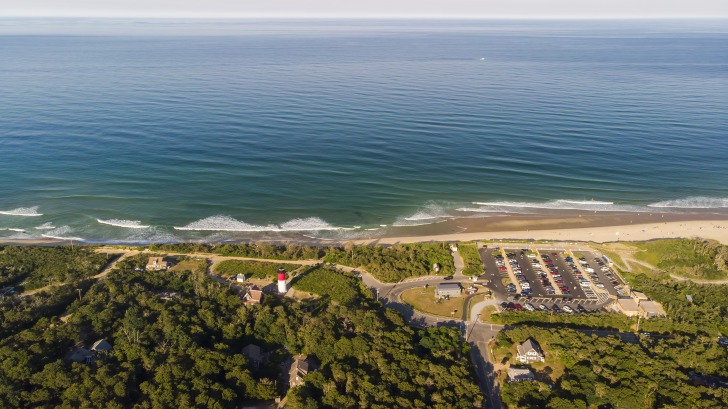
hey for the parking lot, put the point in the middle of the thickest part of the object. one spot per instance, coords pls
(549, 280)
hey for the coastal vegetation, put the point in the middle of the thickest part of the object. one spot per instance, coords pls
(704, 259)
(252, 269)
(473, 264)
(264, 250)
(34, 267)
(331, 284)
(177, 339)
(395, 263)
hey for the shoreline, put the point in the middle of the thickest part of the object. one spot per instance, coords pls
(567, 227)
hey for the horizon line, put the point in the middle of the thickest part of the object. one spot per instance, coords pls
(229, 16)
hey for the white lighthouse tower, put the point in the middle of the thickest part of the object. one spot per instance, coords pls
(282, 286)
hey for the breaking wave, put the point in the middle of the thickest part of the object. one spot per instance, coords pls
(61, 233)
(45, 226)
(431, 213)
(227, 223)
(23, 211)
(12, 229)
(129, 224)
(697, 202)
(561, 204)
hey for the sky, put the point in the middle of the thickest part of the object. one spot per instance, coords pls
(368, 8)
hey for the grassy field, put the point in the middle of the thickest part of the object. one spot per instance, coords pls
(469, 253)
(423, 300)
(190, 265)
(486, 313)
(252, 269)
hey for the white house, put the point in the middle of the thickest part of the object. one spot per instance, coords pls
(529, 351)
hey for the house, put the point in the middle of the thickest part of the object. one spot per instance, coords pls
(529, 351)
(651, 309)
(299, 369)
(447, 290)
(453, 247)
(81, 355)
(628, 307)
(254, 295)
(241, 278)
(255, 354)
(102, 346)
(519, 374)
(157, 263)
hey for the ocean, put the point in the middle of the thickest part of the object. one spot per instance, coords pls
(169, 130)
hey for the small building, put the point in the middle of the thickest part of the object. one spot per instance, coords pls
(255, 354)
(157, 263)
(628, 307)
(453, 247)
(651, 309)
(254, 295)
(529, 351)
(436, 267)
(519, 374)
(101, 346)
(447, 290)
(241, 278)
(639, 296)
(299, 369)
(81, 355)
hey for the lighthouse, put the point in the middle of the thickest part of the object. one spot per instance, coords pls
(282, 287)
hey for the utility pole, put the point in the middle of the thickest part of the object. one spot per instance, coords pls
(639, 318)
(79, 294)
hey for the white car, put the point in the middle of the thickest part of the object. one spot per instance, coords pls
(567, 309)
(531, 255)
(585, 284)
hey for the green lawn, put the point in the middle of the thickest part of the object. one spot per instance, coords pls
(423, 300)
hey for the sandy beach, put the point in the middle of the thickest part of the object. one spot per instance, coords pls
(706, 229)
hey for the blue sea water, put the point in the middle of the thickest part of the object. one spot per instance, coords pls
(164, 130)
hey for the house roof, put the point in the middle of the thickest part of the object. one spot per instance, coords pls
(639, 295)
(514, 372)
(627, 304)
(253, 352)
(299, 367)
(254, 293)
(652, 307)
(101, 345)
(156, 260)
(448, 287)
(528, 345)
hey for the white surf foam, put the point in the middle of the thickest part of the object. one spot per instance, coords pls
(45, 226)
(22, 211)
(227, 223)
(431, 213)
(697, 202)
(129, 224)
(61, 233)
(224, 223)
(12, 229)
(309, 224)
(561, 204)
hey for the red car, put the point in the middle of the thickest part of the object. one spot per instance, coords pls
(502, 268)
(518, 307)
(564, 288)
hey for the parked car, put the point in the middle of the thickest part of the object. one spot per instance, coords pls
(530, 307)
(568, 309)
(543, 307)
